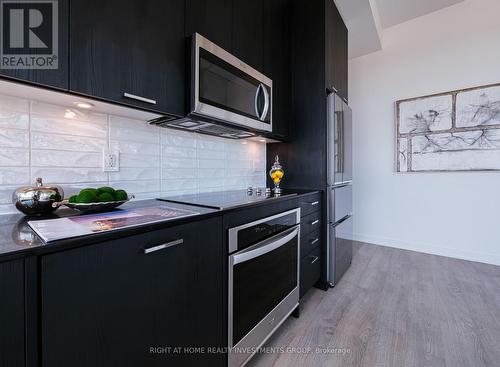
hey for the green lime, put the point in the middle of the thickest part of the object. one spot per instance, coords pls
(105, 189)
(72, 199)
(86, 197)
(91, 189)
(105, 197)
(120, 195)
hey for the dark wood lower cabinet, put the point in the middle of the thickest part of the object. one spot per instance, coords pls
(111, 304)
(12, 314)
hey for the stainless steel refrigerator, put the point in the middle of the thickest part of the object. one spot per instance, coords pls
(339, 190)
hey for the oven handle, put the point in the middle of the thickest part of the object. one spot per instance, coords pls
(265, 246)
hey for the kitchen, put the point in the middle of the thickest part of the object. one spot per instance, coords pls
(192, 182)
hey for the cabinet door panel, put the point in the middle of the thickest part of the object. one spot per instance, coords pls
(135, 47)
(248, 35)
(211, 19)
(56, 78)
(277, 62)
(109, 304)
(12, 314)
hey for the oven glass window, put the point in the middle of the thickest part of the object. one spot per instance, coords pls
(224, 86)
(260, 284)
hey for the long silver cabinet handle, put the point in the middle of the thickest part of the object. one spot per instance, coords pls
(314, 203)
(163, 246)
(139, 98)
(314, 259)
(314, 241)
(315, 222)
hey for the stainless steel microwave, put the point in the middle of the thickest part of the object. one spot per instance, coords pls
(227, 97)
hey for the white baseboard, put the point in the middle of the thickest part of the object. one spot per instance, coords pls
(487, 258)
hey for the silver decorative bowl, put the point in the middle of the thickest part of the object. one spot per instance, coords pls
(37, 199)
(93, 207)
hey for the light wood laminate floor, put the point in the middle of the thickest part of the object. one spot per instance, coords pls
(396, 308)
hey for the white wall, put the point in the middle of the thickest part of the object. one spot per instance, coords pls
(36, 140)
(452, 214)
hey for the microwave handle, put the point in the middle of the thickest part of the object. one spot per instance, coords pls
(256, 100)
(266, 103)
(265, 246)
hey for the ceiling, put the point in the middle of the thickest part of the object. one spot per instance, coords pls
(367, 19)
(392, 12)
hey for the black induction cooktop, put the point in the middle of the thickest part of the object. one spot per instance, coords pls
(225, 199)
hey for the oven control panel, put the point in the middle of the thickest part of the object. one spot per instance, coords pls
(257, 231)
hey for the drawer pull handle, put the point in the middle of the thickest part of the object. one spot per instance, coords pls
(139, 98)
(314, 241)
(163, 246)
(314, 203)
(315, 222)
(314, 259)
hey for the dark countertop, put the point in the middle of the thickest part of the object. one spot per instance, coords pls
(17, 239)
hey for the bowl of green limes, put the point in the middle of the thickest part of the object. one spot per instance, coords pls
(101, 199)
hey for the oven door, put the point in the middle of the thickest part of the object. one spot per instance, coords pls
(227, 89)
(263, 291)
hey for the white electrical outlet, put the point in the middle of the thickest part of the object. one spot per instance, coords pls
(110, 161)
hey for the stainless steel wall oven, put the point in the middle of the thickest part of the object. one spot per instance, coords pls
(263, 284)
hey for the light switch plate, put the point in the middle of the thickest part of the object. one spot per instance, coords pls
(110, 161)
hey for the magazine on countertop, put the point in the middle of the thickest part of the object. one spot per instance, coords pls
(62, 228)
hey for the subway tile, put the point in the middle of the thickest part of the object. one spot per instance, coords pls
(178, 184)
(179, 152)
(6, 194)
(52, 112)
(13, 120)
(211, 172)
(133, 130)
(185, 173)
(211, 163)
(14, 138)
(14, 157)
(135, 174)
(60, 125)
(14, 112)
(139, 160)
(69, 175)
(169, 162)
(210, 143)
(210, 154)
(57, 158)
(177, 139)
(137, 187)
(210, 182)
(134, 147)
(67, 142)
(169, 193)
(8, 209)
(14, 175)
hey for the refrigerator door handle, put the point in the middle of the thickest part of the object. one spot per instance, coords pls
(342, 220)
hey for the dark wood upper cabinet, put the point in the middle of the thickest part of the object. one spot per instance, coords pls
(212, 19)
(12, 314)
(108, 304)
(335, 51)
(131, 52)
(55, 78)
(277, 62)
(248, 32)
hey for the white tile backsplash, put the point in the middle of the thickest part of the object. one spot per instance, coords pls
(36, 140)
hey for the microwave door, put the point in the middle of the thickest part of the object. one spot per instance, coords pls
(227, 89)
